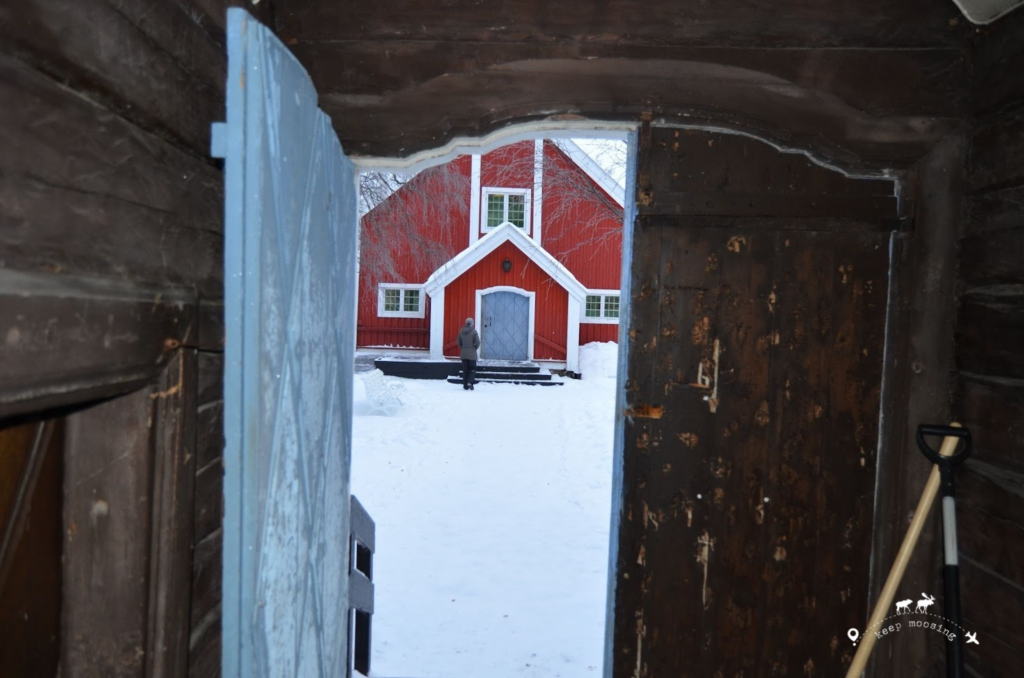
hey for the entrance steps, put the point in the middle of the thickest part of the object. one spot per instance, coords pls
(508, 372)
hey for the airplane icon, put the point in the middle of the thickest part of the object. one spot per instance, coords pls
(972, 638)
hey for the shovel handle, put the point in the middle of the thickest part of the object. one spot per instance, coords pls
(931, 488)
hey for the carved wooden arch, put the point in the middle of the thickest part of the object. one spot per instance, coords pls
(833, 118)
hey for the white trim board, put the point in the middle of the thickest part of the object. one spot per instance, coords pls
(538, 188)
(474, 254)
(601, 177)
(474, 199)
(531, 298)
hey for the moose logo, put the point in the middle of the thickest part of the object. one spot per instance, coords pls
(924, 603)
(903, 606)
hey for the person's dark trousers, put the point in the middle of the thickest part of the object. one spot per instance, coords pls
(468, 372)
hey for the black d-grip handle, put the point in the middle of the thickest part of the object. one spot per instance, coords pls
(963, 448)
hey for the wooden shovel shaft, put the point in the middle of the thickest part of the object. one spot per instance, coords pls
(924, 507)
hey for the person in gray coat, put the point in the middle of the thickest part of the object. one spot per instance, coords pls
(469, 342)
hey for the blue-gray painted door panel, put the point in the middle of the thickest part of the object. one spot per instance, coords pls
(290, 215)
(506, 326)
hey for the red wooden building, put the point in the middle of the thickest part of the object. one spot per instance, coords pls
(533, 253)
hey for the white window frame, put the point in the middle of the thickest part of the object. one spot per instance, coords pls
(419, 313)
(604, 294)
(527, 207)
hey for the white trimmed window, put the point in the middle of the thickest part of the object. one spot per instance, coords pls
(396, 300)
(601, 306)
(500, 205)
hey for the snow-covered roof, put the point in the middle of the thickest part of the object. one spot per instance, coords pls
(476, 252)
(594, 170)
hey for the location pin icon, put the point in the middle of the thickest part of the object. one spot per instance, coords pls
(853, 634)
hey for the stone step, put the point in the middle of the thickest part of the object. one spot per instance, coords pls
(509, 378)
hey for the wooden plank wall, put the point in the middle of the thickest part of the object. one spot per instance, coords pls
(208, 536)
(756, 335)
(989, 395)
(112, 241)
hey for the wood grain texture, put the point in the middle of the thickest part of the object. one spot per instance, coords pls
(151, 63)
(211, 378)
(86, 192)
(107, 504)
(170, 560)
(993, 408)
(876, 81)
(209, 434)
(749, 491)
(205, 646)
(875, 23)
(70, 339)
(990, 332)
(989, 398)
(996, 150)
(209, 501)
(207, 576)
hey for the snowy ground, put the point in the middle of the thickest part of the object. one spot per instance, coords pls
(492, 510)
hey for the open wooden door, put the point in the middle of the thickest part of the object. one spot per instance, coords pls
(289, 294)
(755, 352)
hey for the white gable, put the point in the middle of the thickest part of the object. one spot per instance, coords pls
(476, 252)
(594, 170)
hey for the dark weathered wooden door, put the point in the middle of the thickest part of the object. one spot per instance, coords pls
(290, 279)
(756, 336)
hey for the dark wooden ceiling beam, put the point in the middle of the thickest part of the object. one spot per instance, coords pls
(876, 81)
(747, 23)
(403, 123)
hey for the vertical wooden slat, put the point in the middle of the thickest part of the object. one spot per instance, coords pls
(174, 458)
(107, 503)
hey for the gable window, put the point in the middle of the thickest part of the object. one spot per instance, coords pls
(601, 306)
(502, 205)
(395, 300)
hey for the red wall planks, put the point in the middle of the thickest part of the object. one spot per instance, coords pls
(598, 332)
(582, 225)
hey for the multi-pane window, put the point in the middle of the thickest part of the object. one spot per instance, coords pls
(601, 307)
(398, 301)
(611, 306)
(393, 300)
(503, 205)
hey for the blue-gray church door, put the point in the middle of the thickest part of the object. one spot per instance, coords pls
(290, 282)
(506, 326)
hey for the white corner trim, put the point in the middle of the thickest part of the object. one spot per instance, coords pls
(531, 297)
(538, 189)
(613, 188)
(474, 199)
(602, 320)
(472, 255)
(437, 325)
(381, 313)
(527, 208)
(572, 338)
